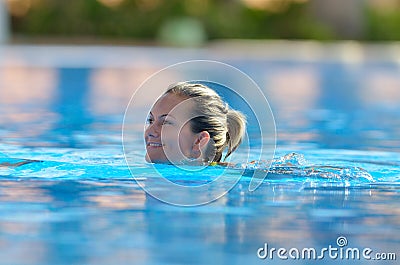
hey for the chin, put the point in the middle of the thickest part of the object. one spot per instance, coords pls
(155, 159)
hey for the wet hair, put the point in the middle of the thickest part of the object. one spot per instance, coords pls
(225, 126)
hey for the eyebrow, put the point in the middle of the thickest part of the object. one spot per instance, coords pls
(163, 115)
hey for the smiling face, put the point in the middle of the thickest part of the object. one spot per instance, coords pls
(168, 136)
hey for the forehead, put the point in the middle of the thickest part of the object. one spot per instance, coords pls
(166, 103)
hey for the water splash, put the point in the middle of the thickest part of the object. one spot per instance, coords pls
(296, 165)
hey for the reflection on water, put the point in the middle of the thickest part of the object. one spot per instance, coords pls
(328, 104)
(70, 105)
(25, 93)
(101, 222)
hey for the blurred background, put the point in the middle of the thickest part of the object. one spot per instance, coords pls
(194, 22)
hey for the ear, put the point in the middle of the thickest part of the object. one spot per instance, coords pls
(201, 141)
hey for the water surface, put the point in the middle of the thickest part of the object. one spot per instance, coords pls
(79, 203)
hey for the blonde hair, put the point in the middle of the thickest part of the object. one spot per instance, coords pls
(226, 126)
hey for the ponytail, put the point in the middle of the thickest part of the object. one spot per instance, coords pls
(236, 123)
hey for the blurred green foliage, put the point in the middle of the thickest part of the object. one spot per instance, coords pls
(146, 20)
(138, 19)
(383, 24)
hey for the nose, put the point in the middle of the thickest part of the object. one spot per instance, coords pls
(152, 130)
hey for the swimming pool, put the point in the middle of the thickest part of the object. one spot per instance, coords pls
(334, 106)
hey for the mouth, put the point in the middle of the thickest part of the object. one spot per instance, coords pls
(155, 145)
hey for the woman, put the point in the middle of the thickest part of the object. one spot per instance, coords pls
(190, 123)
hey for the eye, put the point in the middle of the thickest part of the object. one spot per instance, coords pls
(149, 120)
(166, 122)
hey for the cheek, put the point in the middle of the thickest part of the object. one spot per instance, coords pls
(177, 142)
(169, 136)
(186, 140)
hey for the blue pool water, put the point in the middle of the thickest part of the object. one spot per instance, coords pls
(77, 203)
